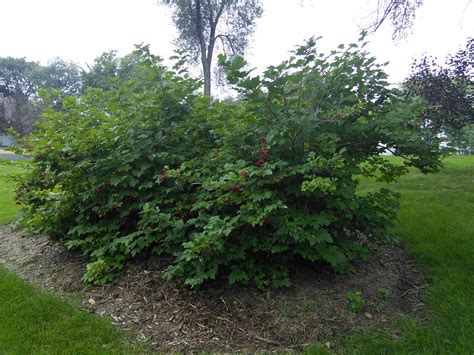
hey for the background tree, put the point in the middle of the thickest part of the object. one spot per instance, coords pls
(208, 25)
(3, 118)
(104, 69)
(63, 75)
(20, 81)
(110, 70)
(400, 13)
(447, 90)
(18, 89)
(17, 77)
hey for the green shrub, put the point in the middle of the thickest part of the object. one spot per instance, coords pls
(245, 190)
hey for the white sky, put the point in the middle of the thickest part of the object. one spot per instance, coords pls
(81, 30)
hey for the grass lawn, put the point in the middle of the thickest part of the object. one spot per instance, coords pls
(34, 322)
(7, 207)
(436, 225)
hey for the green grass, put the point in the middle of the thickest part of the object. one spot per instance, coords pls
(436, 226)
(34, 322)
(7, 207)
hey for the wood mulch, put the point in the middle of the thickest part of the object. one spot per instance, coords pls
(219, 317)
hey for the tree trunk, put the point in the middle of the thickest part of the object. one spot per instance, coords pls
(206, 66)
(206, 62)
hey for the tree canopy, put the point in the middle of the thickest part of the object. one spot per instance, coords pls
(17, 77)
(20, 81)
(63, 75)
(207, 26)
(18, 87)
(447, 90)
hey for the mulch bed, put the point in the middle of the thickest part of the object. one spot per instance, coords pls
(220, 317)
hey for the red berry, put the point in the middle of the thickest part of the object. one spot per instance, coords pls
(264, 153)
(97, 189)
(235, 188)
(260, 163)
(244, 174)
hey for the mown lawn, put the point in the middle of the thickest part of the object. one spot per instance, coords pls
(436, 225)
(34, 322)
(7, 207)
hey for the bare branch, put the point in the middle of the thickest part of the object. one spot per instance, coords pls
(400, 12)
(227, 38)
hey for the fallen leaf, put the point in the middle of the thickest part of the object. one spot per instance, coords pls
(91, 301)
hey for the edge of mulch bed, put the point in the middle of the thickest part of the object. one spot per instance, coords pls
(220, 317)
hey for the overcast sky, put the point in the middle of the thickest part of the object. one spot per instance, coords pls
(82, 30)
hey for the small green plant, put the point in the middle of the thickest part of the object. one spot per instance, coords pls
(100, 272)
(383, 293)
(309, 305)
(355, 302)
(376, 308)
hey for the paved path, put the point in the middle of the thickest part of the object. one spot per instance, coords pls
(14, 157)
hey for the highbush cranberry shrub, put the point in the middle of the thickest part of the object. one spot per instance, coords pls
(245, 190)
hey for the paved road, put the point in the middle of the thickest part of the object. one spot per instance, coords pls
(13, 156)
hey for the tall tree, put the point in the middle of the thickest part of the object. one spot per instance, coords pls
(18, 89)
(103, 71)
(447, 90)
(17, 77)
(62, 75)
(109, 70)
(19, 83)
(206, 26)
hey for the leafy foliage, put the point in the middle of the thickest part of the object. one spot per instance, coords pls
(17, 87)
(355, 301)
(383, 293)
(447, 91)
(246, 190)
(213, 25)
(62, 75)
(20, 81)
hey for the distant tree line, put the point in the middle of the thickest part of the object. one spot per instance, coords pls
(20, 84)
(25, 84)
(446, 89)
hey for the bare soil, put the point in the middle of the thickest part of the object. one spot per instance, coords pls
(219, 317)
